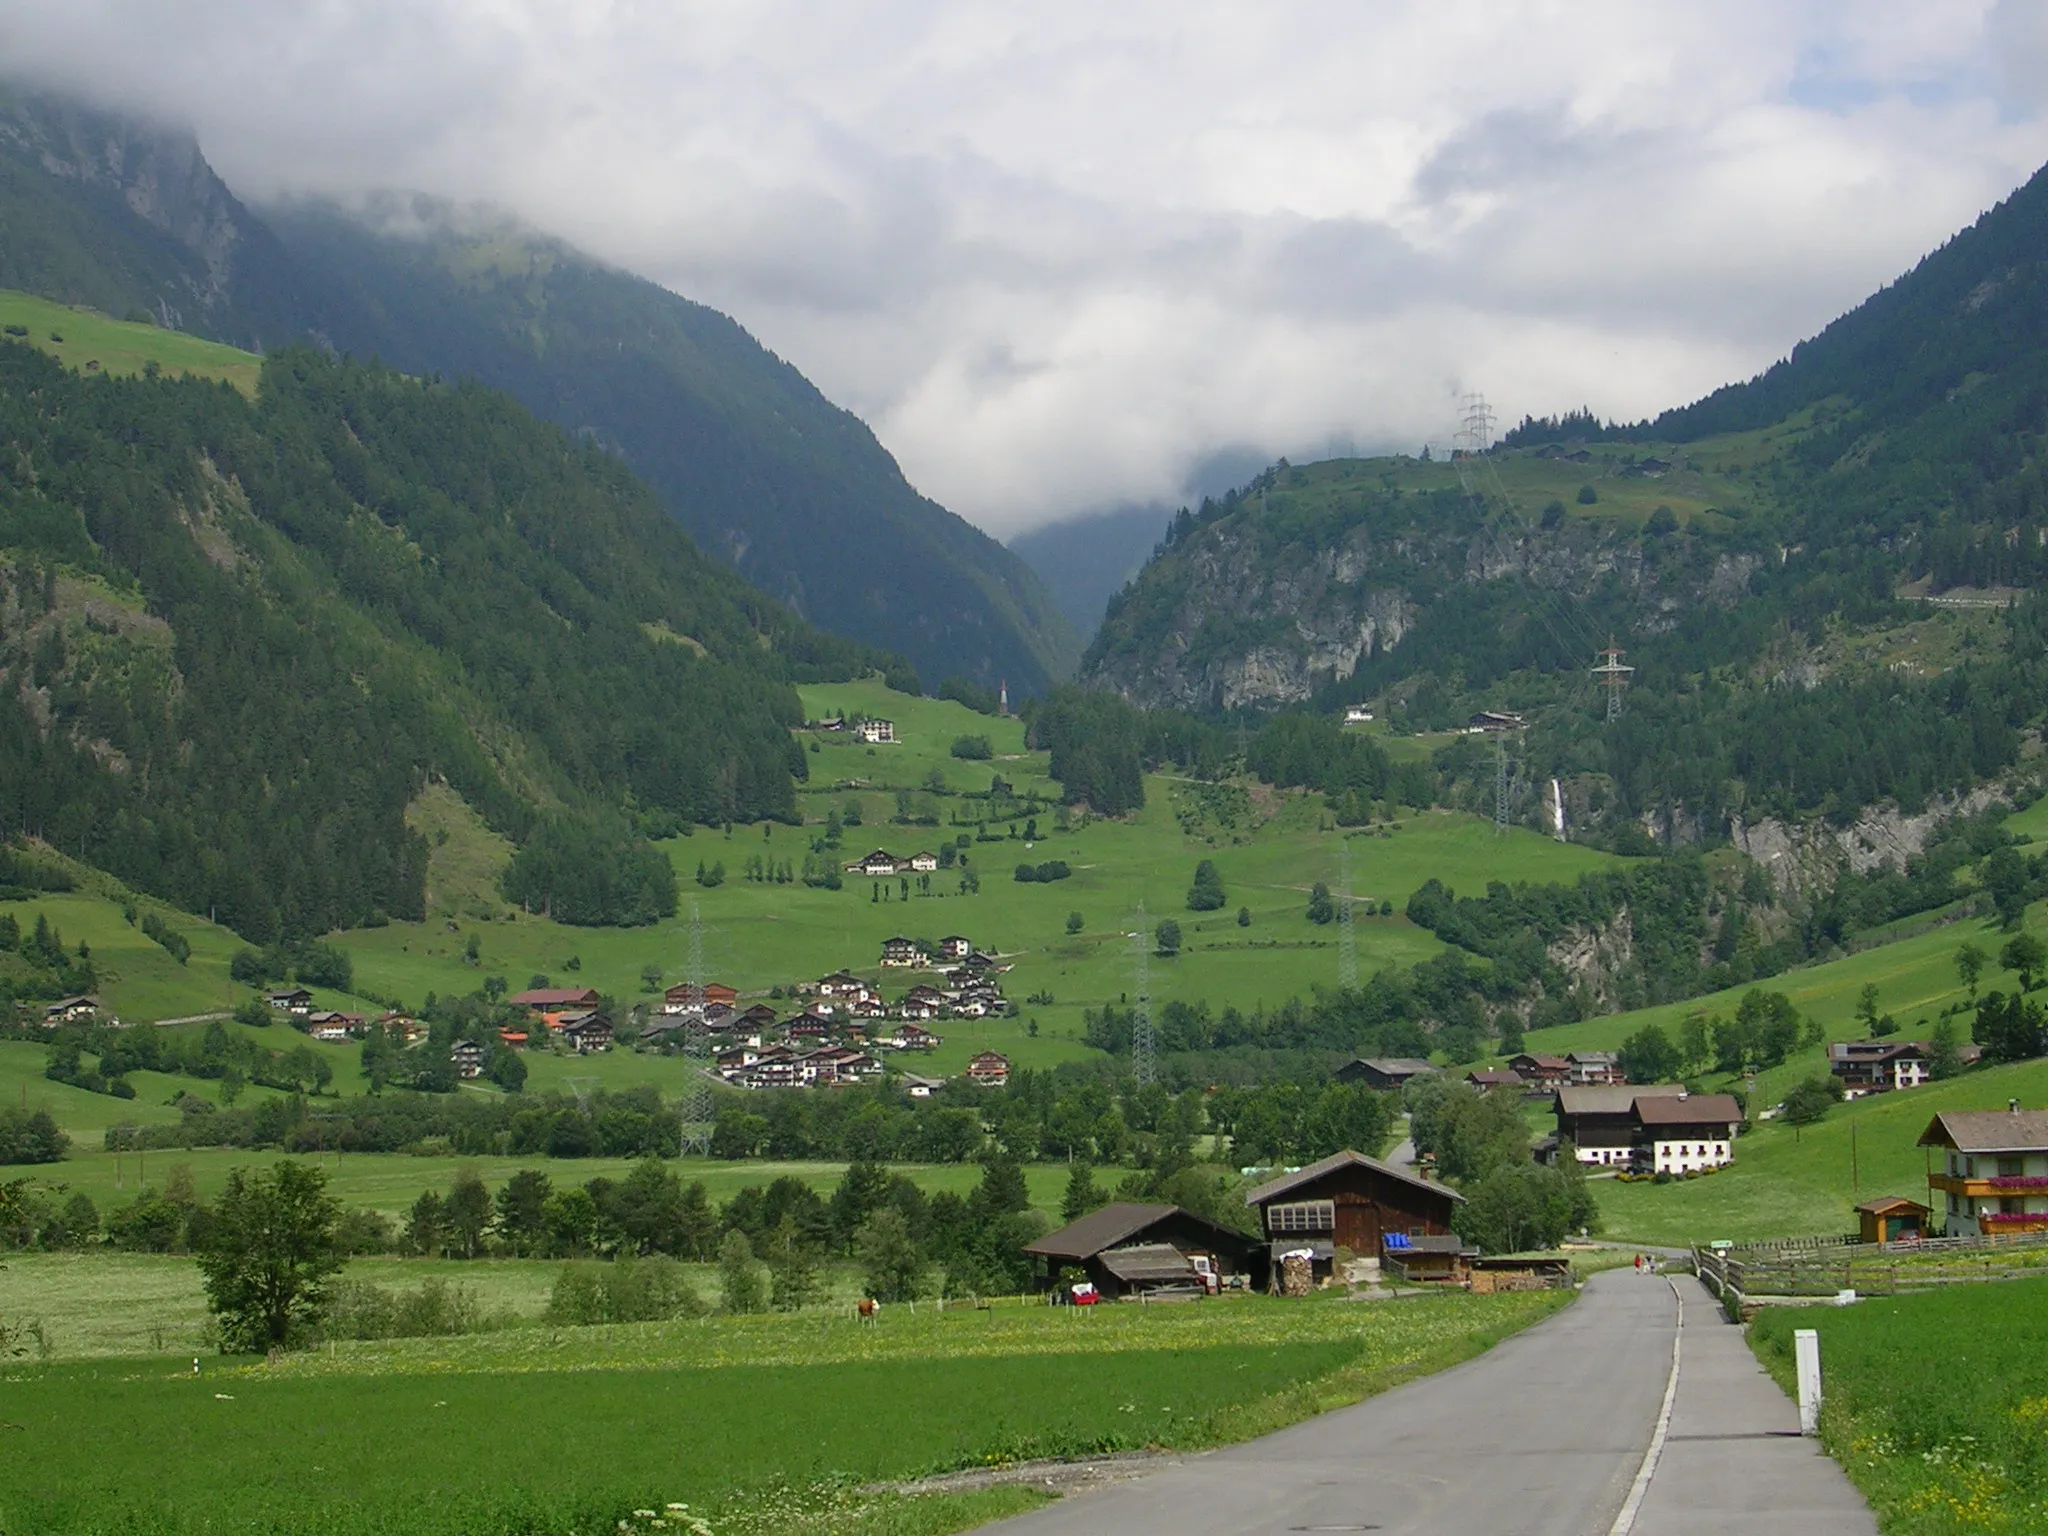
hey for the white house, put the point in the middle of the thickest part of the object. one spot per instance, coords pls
(1994, 1175)
(876, 732)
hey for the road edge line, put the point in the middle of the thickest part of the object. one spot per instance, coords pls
(1626, 1520)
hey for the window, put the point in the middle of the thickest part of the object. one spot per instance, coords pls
(2010, 1167)
(1302, 1216)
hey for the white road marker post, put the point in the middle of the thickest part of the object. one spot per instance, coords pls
(1806, 1355)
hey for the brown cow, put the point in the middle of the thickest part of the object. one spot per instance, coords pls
(868, 1308)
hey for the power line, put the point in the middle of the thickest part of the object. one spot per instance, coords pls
(698, 1110)
(1613, 676)
(1347, 925)
(1144, 1069)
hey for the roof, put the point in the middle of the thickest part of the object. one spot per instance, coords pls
(1613, 1098)
(1496, 1077)
(552, 997)
(1546, 1063)
(1148, 1261)
(1587, 1058)
(1397, 1066)
(1099, 1230)
(1274, 1188)
(1874, 1050)
(1988, 1130)
(1432, 1243)
(1889, 1203)
(1697, 1109)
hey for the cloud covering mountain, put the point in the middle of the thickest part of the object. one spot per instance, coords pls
(1060, 256)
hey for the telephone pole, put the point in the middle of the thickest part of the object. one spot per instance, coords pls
(1144, 1070)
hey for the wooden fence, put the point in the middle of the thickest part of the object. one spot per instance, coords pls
(1751, 1276)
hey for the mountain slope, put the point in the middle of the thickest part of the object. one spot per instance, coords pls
(789, 490)
(1083, 562)
(236, 639)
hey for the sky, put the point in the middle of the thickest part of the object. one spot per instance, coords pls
(1071, 255)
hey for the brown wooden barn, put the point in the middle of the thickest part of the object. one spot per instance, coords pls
(1128, 1248)
(1349, 1201)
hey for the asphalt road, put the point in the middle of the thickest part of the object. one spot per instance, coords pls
(1542, 1436)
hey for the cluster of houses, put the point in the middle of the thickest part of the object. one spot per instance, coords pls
(843, 1024)
(881, 864)
(1888, 1066)
(1313, 1222)
(873, 732)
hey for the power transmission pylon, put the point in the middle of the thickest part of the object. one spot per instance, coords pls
(1144, 1070)
(697, 1111)
(1475, 425)
(1613, 676)
(1347, 928)
(1500, 783)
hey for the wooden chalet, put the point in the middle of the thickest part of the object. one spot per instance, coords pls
(1129, 1249)
(1487, 1079)
(1387, 1074)
(955, 947)
(555, 999)
(1349, 1201)
(914, 1037)
(467, 1057)
(1541, 1072)
(588, 1035)
(716, 994)
(878, 864)
(923, 862)
(989, 1069)
(920, 1087)
(901, 951)
(1591, 1069)
(1994, 1173)
(286, 1000)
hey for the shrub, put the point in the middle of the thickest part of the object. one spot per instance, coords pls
(629, 1290)
(976, 749)
(1663, 523)
(1553, 514)
(1166, 937)
(1588, 496)
(31, 1136)
(1206, 894)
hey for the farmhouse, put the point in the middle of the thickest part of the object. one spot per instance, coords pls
(924, 861)
(878, 864)
(1495, 720)
(1892, 1219)
(1383, 1073)
(553, 999)
(1127, 1249)
(1358, 714)
(333, 1026)
(1685, 1134)
(989, 1069)
(1600, 1122)
(1887, 1066)
(467, 1057)
(841, 984)
(1542, 1071)
(72, 1010)
(1994, 1175)
(1592, 1068)
(1486, 1079)
(921, 1087)
(289, 1000)
(680, 998)
(876, 732)
(954, 947)
(1349, 1201)
(914, 1037)
(588, 1035)
(902, 951)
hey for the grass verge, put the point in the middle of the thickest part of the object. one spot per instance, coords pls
(1936, 1405)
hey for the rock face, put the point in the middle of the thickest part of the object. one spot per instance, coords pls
(1806, 857)
(1232, 615)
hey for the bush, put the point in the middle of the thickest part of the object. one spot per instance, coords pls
(1206, 894)
(1166, 937)
(974, 749)
(1588, 496)
(1046, 873)
(31, 1136)
(1075, 922)
(358, 1310)
(629, 1290)
(1321, 909)
(1663, 523)
(1553, 514)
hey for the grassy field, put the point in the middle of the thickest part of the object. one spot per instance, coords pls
(391, 1181)
(1270, 848)
(1788, 1182)
(88, 340)
(756, 1423)
(1936, 1405)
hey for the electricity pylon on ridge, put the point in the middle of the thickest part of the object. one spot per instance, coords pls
(1612, 676)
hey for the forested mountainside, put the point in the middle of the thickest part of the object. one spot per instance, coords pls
(237, 638)
(1766, 583)
(1085, 561)
(772, 478)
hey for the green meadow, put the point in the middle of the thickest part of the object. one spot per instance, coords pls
(757, 1424)
(94, 343)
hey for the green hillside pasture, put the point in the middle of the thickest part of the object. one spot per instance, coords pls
(391, 1181)
(758, 936)
(1792, 1182)
(700, 1413)
(1937, 1404)
(925, 732)
(120, 346)
(1915, 979)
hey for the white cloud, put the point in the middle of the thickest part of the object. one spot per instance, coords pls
(1061, 256)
